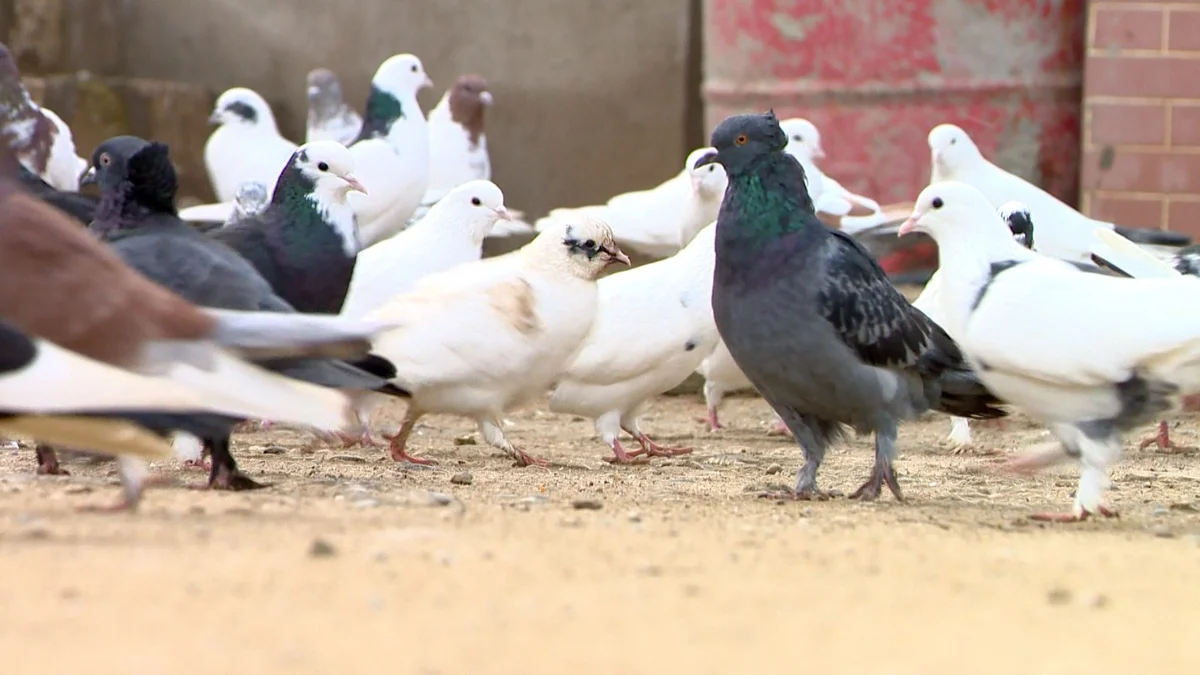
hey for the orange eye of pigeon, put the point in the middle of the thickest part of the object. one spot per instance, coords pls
(741, 139)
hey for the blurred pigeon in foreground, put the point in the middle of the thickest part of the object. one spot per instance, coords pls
(246, 145)
(813, 321)
(329, 116)
(1090, 355)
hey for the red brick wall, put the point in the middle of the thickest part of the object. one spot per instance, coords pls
(1141, 115)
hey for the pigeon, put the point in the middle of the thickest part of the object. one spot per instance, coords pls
(391, 152)
(1086, 376)
(1016, 216)
(81, 207)
(612, 376)
(451, 234)
(836, 206)
(246, 145)
(661, 221)
(329, 117)
(1063, 232)
(252, 199)
(41, 141)
(813, 321)
(484, 337)
(457, 145)
(137, 216)
(306, 241)
(721, 376)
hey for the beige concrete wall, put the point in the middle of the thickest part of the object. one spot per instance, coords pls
(591, 98)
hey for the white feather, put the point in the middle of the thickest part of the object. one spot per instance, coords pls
(64, 165)
(454, 158)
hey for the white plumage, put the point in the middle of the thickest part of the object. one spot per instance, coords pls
(65, 166)
(455, 157)
(1090, 355)
(660, 221)
(653, 327)
(855, 212)
(451, 234)
(246, 146)
(487, 336)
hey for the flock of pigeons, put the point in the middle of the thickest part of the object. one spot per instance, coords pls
(338, 274)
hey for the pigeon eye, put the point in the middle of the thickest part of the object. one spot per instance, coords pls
(938, 203)
(105, 160)
(590, 243)
(414, 68)
(323, 166)
(741, 139)
(953, 141)
(711, 168)
(475, 201)
(798, 138)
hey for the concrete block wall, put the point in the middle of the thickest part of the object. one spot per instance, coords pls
(1141, 128)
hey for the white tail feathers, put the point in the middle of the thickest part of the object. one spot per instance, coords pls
(1130, 258)
(263, 335)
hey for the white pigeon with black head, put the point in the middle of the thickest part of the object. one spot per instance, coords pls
(391, 153)
(457, 143)
(653, 327)
(487, 336)
(451, 234)
(246, 145)
(1090, 355)
(330, 118)
(660, 221)
(1016, 216)
(40, 139)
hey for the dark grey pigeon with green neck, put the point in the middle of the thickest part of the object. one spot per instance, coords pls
(812, 320)
(306, 241)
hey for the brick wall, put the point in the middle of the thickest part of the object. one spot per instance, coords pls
(1141, 115)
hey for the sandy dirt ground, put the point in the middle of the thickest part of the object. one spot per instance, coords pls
(352, 564)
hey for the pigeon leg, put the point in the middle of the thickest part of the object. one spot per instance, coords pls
(712, 419)
(134, 479)
(713, 394)
(649, 447)
(225, 474)
(400, 440)
(814, 452)
(1162, 439)
(883, 473)
(780, 428)
(620, 456)
(494, 435)
(960, 435)
(47, 462)
(1096, 451)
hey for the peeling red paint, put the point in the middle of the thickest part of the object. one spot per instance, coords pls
(876, 75)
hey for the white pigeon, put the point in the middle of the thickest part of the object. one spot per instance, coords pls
(1088, 354)
(65, 165)
(391, 155)
(330, 118)
(851, 212)
(661, 221)
(457, 143)
(246, 145)
(1017, 218)
(487, 336)
(654, 325)
(721, 376)
(252, 198)
(451, 234)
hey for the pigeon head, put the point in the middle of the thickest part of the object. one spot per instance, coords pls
(950, 211)
(467, 100)
(325, 165)
(1020, 223)
(132, 172)
(324, 92)
(475, 205)
(251, 198)
(242, 107)
(741, 140)
(951, 148)
(402, 75)
(803, 137)
(708, 180)
(583, 246)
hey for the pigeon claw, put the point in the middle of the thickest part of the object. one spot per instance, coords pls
(652, 449)
(231, 479)
(197, 464)
(401, 455)
(880, 476)
(780, 429)
(620, 456)
(1162, 440)
(525, 459)
(47, 461)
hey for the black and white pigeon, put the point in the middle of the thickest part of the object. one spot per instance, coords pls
(812, 319)
(1085, 375)
(306, 241)
(137, 217)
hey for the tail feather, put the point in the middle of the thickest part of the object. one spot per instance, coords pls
(275, 335)
(1115, 252)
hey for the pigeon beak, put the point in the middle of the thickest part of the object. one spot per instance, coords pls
(215, 117)
(88, 177)
(504, 214)
(427, 83)
(706, 159)
(486, 98)
(618, 256)
(313, 91)
(818, 153)
(909, 225)
(354, 184)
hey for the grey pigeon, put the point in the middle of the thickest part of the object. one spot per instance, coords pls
(306, 241)
(252, 199)
(137, 217)
(329, 116)
(812, 319)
